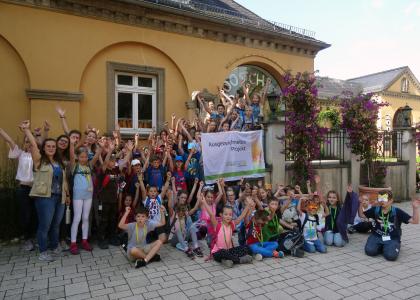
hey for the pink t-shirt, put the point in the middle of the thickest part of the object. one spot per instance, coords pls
(224, 238)
(205, 216)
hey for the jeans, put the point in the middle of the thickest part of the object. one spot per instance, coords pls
(313, 246)
(27, 211)
(375, 245)
(50, 212)
(331, 238)
(265, 248)
(178, 238)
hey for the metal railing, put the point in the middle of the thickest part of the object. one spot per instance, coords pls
(390, 145)
(331, 148)
(233, 16)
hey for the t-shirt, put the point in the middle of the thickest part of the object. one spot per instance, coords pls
(153, 205)
(82, 183)
(357, 218)
(216, 116)
(392, 220)
(224, 237)
(25, 167)
(180, 179)
(331, 219)
(249, 123)
(310, 228)
(57, 180)
(272, 227)
(255, 110)
(194, 166)
(255, 235)
(137, 238)
(155, 176)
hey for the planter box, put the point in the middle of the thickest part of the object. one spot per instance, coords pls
(372, 192)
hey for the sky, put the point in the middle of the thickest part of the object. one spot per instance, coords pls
(366, 36)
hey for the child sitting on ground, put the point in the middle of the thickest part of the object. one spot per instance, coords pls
(255, 240)
(222, 248)
(310, 225)
(386, 234)
(361, 225)
(332, 236)
(138, 249)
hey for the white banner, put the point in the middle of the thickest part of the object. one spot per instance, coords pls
(232, 155)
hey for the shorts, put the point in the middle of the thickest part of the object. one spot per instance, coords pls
(146, 249)
(154, 235)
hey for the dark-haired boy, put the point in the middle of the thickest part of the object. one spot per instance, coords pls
(138, 249)
(386, 234)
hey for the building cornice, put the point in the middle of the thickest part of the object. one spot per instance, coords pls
(141, 14)
(399, 95)
(54, 95)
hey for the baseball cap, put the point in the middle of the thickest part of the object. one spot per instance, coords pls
(135, 162)
(179, 157)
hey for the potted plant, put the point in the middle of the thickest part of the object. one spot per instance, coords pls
(329, 118)
(360, 115)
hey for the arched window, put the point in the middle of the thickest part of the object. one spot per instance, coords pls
(404, 85)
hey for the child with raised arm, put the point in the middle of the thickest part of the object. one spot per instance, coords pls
(310, 225)
(153, 202)
(386, 234)
(81, 172)
(138, 249)
(221, 247)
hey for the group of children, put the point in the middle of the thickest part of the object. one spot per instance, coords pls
(145, 194)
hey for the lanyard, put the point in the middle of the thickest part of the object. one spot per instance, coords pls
(333, 216)
(386, 223)
(144, 233)
(224, 234)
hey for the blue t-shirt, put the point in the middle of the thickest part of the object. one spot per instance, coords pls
(57, 181)
(155, 176)
(194, 166)
(153, 206)
(82, 183)
(216, 116)
(255, 110)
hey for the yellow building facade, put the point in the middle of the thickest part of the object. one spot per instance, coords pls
(98, 58)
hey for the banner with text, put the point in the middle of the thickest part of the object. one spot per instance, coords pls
(232, 155)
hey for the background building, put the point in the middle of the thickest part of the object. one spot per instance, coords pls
(134, 62)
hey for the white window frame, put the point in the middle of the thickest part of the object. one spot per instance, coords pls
(404, 85)
(135, 90)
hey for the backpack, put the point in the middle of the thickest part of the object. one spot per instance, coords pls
(290, 241)
(307, 219)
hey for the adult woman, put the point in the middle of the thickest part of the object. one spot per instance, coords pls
(50, 192)
(25, 177)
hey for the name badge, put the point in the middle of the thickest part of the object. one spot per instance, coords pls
(386, 238)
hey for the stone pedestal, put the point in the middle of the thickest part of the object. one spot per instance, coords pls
(354, 173)
(274, 151)
(409, 155)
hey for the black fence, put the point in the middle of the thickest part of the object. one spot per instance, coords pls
(390, 145)
(331, 148)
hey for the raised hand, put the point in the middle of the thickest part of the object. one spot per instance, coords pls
(101, 143)
(260, 183)
(415, 202)
(25, 124)
(317, 179)
(127, 209)
(61, 112)
(47, 125)
(73, 139)
(129, 145)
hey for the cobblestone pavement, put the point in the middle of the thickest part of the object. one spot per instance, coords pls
(345, 273)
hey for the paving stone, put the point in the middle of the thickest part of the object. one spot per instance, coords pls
(76, 288)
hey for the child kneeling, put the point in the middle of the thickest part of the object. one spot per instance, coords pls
(221, 246)
(138, 249)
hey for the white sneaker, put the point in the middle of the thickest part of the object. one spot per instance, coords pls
(28, 245)
(44, 256)
(258, 257)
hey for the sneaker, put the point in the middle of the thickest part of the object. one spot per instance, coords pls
(139, 263)
(227, 263)
(28, 245)
(258, 257)
(156, 257)
(44, 256)
(57, 251)
(64, 246)
(246, 259)
(189, 253)
(197, 252)
(278, 254)
(103, 244)
(351, 230)
(74, 249)
(86, 246)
